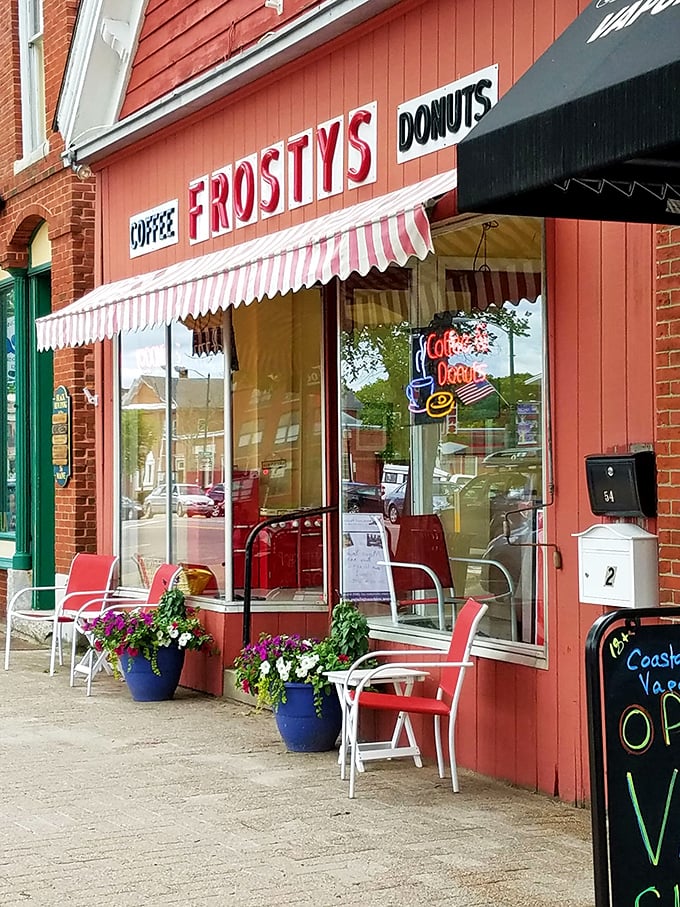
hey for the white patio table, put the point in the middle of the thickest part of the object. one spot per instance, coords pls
(402, 679)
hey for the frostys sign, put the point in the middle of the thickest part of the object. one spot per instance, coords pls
(625, 16)
(443, 117)
(288, 174)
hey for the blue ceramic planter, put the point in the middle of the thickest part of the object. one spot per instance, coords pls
(144, 685)
(300, 727)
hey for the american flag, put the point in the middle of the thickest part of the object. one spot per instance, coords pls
(474, 391)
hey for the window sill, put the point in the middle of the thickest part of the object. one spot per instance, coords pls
(492, 649)
(38, 154)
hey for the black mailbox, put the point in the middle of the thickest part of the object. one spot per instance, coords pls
(622, 484)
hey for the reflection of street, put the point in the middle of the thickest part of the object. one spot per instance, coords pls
(196, 540)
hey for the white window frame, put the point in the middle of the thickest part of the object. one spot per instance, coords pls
(32, 69)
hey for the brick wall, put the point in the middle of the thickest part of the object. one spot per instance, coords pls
(668, 409)
(47, 192)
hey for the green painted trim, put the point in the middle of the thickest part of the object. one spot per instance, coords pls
(41, 470)
(40, 269)
(22, 559)
(6, 304)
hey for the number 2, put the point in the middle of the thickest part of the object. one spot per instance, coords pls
(610, 576)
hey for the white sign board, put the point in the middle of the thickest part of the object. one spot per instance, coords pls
(443, 117)
(363, 578)
(154, 229)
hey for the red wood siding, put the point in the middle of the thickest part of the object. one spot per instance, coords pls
(516, 722)
(180, 40)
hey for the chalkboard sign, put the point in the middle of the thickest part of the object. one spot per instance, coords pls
(633, 675)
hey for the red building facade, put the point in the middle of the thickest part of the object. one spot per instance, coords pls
(334, 116)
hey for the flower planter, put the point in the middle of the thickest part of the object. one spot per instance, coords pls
(144, 685)
(301, 729)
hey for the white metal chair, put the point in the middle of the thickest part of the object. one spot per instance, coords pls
(444, 705)
(422, 562)
(165, 577)
(90, 576)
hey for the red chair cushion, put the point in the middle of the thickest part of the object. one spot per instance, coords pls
(391, 702)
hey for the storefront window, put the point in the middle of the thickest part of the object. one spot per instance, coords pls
(174, 472)
(8, 415)
(198, 463)
(143, 441)
(442, 433)
(176, 516)
(277, 454)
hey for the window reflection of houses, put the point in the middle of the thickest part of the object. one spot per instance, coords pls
(362, 443)
(197, 431)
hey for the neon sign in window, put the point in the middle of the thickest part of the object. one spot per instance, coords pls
(448, 368)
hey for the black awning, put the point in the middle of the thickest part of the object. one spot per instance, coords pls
(592, 130)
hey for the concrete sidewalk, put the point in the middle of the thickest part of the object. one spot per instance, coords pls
(196, 801)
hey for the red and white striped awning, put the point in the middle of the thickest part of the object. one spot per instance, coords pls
(374, 234)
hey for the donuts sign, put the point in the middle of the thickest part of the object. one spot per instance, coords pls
(447, 368)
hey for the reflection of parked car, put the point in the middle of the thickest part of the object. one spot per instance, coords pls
(187, 500)
(443, 488)
(512, 552)
(482, 502)
(216, 492)
(129, 509)
(393, 503)
(513, 456)
(360, 497)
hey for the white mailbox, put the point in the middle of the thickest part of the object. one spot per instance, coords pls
(618, 565)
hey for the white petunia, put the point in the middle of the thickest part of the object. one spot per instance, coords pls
(283, 667)
(265, 668)
(184, 639)
(173, 632)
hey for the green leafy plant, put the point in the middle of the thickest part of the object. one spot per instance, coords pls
(349, 631)
(263, 668)
(143, 631)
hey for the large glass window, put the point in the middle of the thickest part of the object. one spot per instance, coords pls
(172, 459)
(172, 430)
(277, 444)
(442, 433)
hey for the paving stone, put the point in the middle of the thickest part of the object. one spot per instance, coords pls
(197, 802)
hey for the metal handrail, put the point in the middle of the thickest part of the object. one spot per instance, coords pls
(250, 544)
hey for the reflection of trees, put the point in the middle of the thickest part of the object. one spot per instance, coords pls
(371, 351)
(140, 433)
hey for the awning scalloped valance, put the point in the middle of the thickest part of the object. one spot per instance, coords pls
(389, 229)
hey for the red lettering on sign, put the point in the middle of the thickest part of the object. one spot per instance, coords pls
(271, 154)
(195, 207)
(295, 148)
(359, 174)
(244, 191)
(328, 142)
(219, 193)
